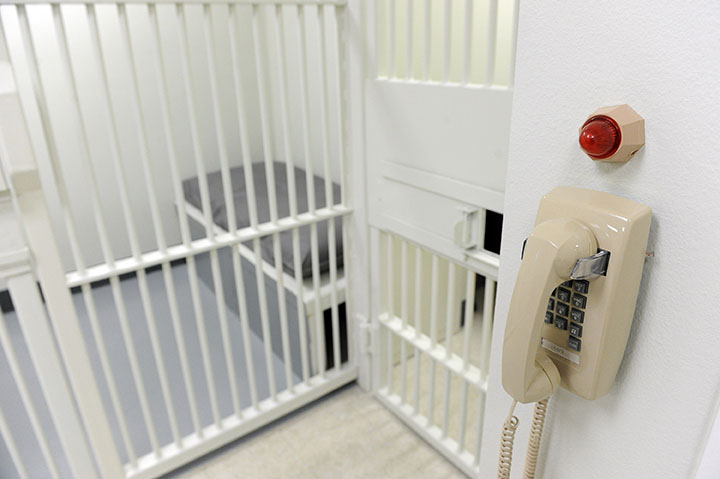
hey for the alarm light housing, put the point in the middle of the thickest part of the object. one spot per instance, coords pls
(612, 134)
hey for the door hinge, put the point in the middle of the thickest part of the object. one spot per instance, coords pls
(367, 334)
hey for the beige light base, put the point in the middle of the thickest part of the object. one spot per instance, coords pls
(632, 128)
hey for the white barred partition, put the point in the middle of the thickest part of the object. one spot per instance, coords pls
(125, 102)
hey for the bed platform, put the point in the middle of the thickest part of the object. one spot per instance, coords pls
(192, 207)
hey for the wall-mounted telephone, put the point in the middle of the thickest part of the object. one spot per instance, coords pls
(573, 303)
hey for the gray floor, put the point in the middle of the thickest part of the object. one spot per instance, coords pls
(11, 404)
(346, 435)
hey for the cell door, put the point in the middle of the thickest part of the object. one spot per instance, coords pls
(437, 115)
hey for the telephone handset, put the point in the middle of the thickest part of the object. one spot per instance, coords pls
(573, 303)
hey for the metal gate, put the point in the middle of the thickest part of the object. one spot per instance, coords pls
(184, 316)
(437, 96)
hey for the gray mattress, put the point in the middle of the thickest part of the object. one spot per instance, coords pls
(237, 176)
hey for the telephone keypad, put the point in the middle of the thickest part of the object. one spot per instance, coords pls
(579, 301)
(581, 286)
(575, 330)
(563, 295)
(566, 310)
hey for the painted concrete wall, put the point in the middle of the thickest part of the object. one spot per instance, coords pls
(663, 60)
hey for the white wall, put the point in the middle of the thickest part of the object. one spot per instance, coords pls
(661, 58)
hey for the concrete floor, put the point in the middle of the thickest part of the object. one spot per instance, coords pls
(345, 435)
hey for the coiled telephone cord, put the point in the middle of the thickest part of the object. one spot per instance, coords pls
(506, 445)
(508, 439)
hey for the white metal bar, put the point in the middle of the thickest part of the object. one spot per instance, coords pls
(12, 448)
(449, 316)
(427, 40)
(513, 43)
(282, 309)
(479, 428)
(242, 118)
(450, 310)
(390, 296)
(403, 315)
(180, 343)
(329, 200)
(161, 85)
(409, 61)
(185, 2)
(38, 338)
(418, 309)
(27, 399)
(300, 304)
(282, 78)
(324, 118)
(467, 42)
(65, 61)
(49, 134)
(204, 245)
(244, 325)
(141, 127)
(372, 33)
(134, 363)
(202, 336)
(229, 205)
(264, 320)
(107, 372)
(463, 417)
(318, 317)
(491, 42)
(339, 102)
(224, 329)
(111, 125)
(192, 119)
(305, 108)
(488, 306)
(157, 353)
(447, 38)
(264, 116)
(434, 291)
(469, 316)
(334, 312)
(183, 40)
(391, 38)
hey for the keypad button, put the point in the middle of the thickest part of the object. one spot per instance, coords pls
(563, 294)
(562, 309)
(554, 292)
(561, 323)
(568, 283)
(549, 317)
(577, 315)
(551, 304)
(581, 286)
(574, 343)
(575, 330)
(579, 301)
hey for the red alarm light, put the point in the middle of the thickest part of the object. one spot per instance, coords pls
(600, 137)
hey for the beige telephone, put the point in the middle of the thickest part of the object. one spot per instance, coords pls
(573, 303)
